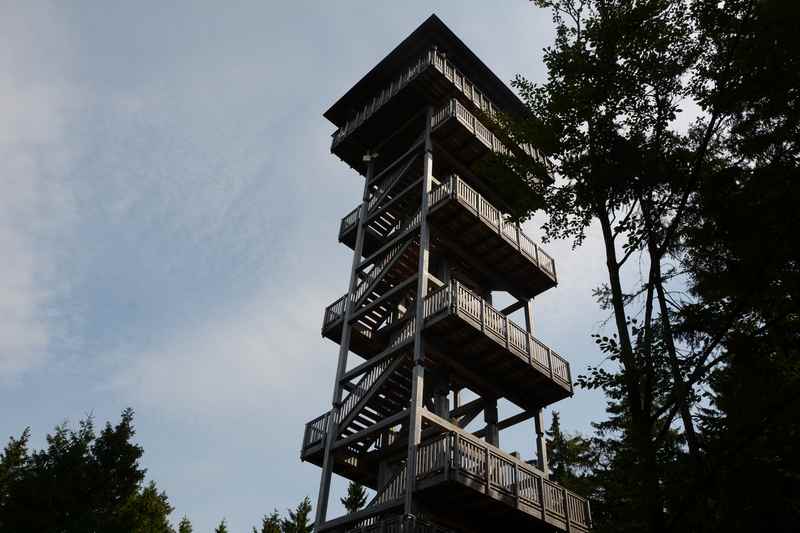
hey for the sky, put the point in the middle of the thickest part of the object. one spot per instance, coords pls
(168, 217)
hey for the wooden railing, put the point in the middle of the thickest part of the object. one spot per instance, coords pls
(458, 297)
(335, 311)
(360, 390)
(316, 430)
(500, 472)
(455, 187)
(393, 490)
(381, 98)
(455, 109)
(470, 92)
(398, 524)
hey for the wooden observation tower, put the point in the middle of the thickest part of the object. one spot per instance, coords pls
(423, 352)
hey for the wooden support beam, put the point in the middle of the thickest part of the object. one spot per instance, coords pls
(417, 379)
(516, 306)
(491, 431)
(509, 422)
(344, 350)
(475, 405)
(541, 443)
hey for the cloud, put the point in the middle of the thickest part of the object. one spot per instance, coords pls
(36, 205)
(236, 362)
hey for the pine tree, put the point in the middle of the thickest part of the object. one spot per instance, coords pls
(221, 528)
(569, 458)
(185, 526)
(356, 497)
(270, 524)
(298, 521)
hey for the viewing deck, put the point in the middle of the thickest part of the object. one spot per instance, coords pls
(486, 486)
(430, 80)
(478, 337)
(476, 228)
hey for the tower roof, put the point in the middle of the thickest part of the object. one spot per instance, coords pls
(431, 32)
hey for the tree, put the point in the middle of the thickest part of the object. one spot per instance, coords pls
(298, 521)
(270, 524)
(618, 73)
(569, 458)
(221, 528)
(148, 511)
(81, 481)
(356, 497)
(185, 525)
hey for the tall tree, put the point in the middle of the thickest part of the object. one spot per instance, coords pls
(221, 527)
(618, 73)
(298, 520)
(356, 497)
(81, 481)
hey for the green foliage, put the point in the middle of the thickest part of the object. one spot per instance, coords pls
(298, 520)
(270, 524)
(570, 458)
(701, 384)
(185, 525)
(356, 497)
(80, 482)
(221, 528)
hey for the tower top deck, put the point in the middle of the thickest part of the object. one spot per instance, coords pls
(432, 32)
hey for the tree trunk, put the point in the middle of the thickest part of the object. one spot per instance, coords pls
(641, 427)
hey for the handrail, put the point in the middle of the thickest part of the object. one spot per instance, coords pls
(458, 188)
(457, 296)
(502, 472)
(495, 218)
(360, 390)
(394, 489)
(316, 430)
(381, 98)
(459, 80)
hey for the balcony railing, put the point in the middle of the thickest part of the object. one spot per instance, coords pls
(457, 297)
(501, 473)
(456, 188)
(472, 94)
(455, 109)
(465, 458)
(382, 97)
(316, 430)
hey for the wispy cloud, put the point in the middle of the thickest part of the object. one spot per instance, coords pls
(36, 206)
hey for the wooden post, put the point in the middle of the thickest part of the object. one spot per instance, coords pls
(418, 375)
(490, 417)
(344, 350)
(541, 443)
(566, 510)
(529, 316)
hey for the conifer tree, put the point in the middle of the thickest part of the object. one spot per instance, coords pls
(356, 497)
(185, 526)
(270, 523)
(298, 521)
(221, 528)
